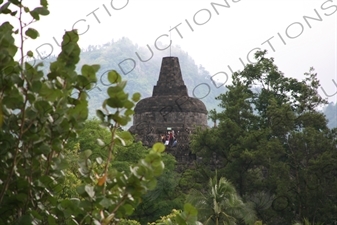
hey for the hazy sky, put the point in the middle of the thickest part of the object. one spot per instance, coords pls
(299, 34)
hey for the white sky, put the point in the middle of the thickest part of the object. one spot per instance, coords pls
(227, 36)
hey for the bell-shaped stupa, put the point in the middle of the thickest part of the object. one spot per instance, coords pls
(170, 109)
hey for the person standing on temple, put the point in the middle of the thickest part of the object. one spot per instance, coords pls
(170, 138)
(174, 142)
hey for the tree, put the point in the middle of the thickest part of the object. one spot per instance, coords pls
(331, 114)
(212, 114)
(220, 204)
(306, 222)
(165, 197)
(271, 139)
(87, 137)
(39, 113)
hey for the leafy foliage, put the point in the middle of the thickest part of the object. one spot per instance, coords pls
(38, 116)
(306, 222)
(273, 144)
(220, 204)
(42, 181)
(165, 197)
(60, 168)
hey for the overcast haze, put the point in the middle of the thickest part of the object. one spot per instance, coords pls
(224, 34)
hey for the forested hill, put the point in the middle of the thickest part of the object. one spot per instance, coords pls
(118, 54)
(145, 74)
(330, 112)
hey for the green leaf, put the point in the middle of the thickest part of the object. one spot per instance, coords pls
(128, 209)
(99, 160)
(24, 220)
(190, 210)
(30, 53)
(62, 164)
(85, 154)
(122, 120)
(151, 184)
(41, 11)
(35, 15)
(35, 214)
(105, 202)
(120, 140)
(100, 142)
(21, 197)
(108, 219)
(69, 203)
(115, 102)
(80, 190)
(100, 114)
(180, 220)
(4, 8)
(125, 135)
(15, 2)
(129, 112)
(112, 91)
(90, 71)
(114, 77)
(83, 82)
(158, 147)
(49, 93)
(46, 181)
(90, 190)
(32, 33)
(57, 145)
(51, 220)
(123, 96)
(136, 97)
(43, 107)
(158, 167)
(96, 67)
(122, 84)
(128, 104)
(15, 100)
(80, 111)
(14, 13)
(44, 3)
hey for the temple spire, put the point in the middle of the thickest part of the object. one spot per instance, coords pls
(170, 80)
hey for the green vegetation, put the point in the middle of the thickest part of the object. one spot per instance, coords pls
(331, 114)
(268, 158)
(274, 146)
(49, 174)
(220, 204)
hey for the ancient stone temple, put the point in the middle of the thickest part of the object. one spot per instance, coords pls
(169, 109)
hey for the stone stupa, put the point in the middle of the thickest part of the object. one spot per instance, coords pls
(169, 108)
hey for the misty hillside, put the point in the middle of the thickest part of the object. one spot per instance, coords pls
(145, 74)
(330, 112)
